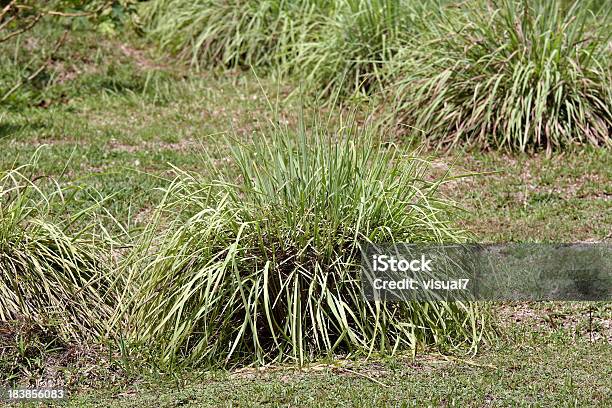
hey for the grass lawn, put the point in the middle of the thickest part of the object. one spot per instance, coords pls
(117, 121)
(545, 358)
(543, 370)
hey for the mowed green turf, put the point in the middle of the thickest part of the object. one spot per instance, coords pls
(120, 118)
(534, 365)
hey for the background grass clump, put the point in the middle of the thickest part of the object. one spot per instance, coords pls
(264, 266)
(333, 46)
(355, 42)
(346, 55)
(232, 33)
(505, 74)
(515, 75)
(55, 270)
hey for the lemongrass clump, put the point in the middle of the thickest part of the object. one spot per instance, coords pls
(232, 33)
(263, 265)
(514, 75)
(54, 270)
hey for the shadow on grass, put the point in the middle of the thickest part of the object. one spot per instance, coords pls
(8, 129)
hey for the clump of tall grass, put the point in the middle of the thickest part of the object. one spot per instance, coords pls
(516, 75)
(355, 41)
(53, 269)
(334, 47)
(348, 55)
(235, 33)
(260, 263)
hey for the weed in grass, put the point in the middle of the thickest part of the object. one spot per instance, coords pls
(264, 266)
(521, 75)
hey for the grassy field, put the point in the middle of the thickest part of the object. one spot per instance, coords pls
(131, 116)
(117, 117)
(534, 368)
